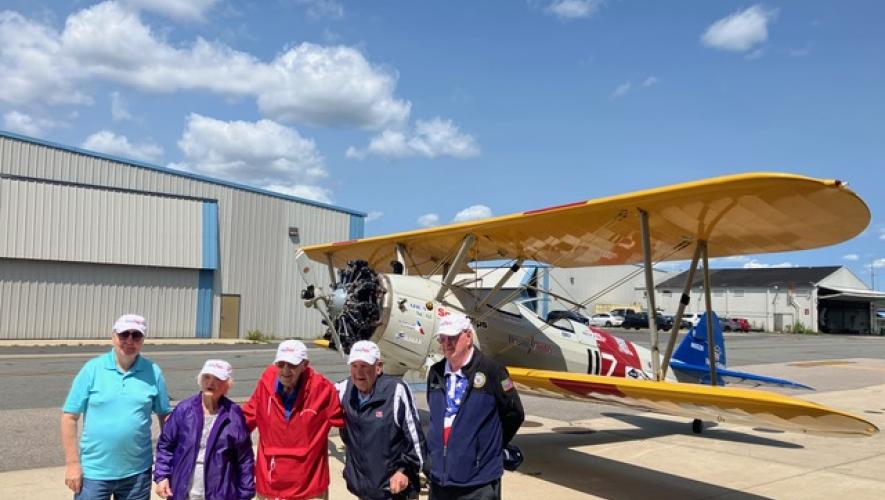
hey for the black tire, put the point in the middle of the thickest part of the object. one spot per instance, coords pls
(697, 426)
(608, 324)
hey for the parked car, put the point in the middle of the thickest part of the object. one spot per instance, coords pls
(683, 325)
(640, 320)
(735, 325)
(606, 319)
(622, 312)
(692, 318)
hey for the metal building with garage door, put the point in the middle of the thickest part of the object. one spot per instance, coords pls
(85, 237)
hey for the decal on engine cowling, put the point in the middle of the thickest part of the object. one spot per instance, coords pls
(416, 326)
(407, 338)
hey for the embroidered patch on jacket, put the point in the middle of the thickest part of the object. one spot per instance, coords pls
(379, 414)
(507, 384)
(479, 380)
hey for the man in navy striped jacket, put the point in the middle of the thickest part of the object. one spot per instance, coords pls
(474, 413)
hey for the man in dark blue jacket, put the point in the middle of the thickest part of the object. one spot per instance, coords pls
(474, 413)
(382, 430)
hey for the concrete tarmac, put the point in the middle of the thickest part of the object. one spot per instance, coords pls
(623, 455)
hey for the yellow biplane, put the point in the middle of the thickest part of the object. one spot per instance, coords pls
(725, 216)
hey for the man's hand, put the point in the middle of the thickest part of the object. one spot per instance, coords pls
(162, 489)
(74, 477)
(398, 482)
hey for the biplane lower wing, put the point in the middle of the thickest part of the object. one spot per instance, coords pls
(718, 404)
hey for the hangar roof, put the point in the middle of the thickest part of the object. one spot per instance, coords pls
(180, 173)
(750, 278)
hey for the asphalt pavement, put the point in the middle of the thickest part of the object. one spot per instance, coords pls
(574, 449)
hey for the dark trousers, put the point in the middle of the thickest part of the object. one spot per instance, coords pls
(488, 491)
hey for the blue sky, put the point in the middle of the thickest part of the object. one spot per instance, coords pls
(422, 113)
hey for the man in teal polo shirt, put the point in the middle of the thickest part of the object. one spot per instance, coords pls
(116, 393)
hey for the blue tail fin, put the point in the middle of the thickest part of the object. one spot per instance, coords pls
(691, 360)
(694, 351)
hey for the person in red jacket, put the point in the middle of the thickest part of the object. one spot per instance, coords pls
(293, 407)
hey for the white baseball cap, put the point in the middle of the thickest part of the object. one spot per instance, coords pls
(364, 350)
(218, 368)
(129, 322)
(453, 324)
(291, 351)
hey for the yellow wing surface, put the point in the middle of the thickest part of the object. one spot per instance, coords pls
(717, 404)
(736, 215)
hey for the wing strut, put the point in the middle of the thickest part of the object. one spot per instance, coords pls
(650, 294)
(331, 267)
(485, 300)
(456, 265)
(683, 303)
(401, 254)
(709, 303)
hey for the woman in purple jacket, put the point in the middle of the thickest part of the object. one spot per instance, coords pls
(205, 451)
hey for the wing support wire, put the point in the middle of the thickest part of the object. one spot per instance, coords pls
(650, 294)
(456, 265)
(680, 311)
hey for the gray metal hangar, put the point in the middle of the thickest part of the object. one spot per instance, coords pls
(85, 237)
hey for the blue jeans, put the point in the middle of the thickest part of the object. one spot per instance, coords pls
(137, 487)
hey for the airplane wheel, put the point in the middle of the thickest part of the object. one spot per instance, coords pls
(697, 426)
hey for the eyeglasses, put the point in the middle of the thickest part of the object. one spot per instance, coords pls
(135, 334)
(283, 364)
(443, 339)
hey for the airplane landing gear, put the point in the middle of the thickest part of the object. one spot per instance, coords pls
(697, 426)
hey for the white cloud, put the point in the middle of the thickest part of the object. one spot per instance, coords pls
(428, 220)
(652, 80)
(262, 153)
(22, 123)
(755, 264)
(326, 86)
(323, 8)
(108, 142)
(573, 9)
(882, 233)
(879, 263)
(119, 111)
(621, 90)
(851, 256)
(429, 139)
(373, 215)
(32, 67)
(182, 10)
(740, 31)
(473, 212)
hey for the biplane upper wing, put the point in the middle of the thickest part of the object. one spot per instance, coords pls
(717, 404)
(737, 215)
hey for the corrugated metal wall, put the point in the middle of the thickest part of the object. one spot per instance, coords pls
(46, 221)
(257, 256)
(58, 300)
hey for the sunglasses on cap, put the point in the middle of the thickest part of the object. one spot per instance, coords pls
(135, 334)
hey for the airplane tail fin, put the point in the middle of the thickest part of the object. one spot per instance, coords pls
(691, 361)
